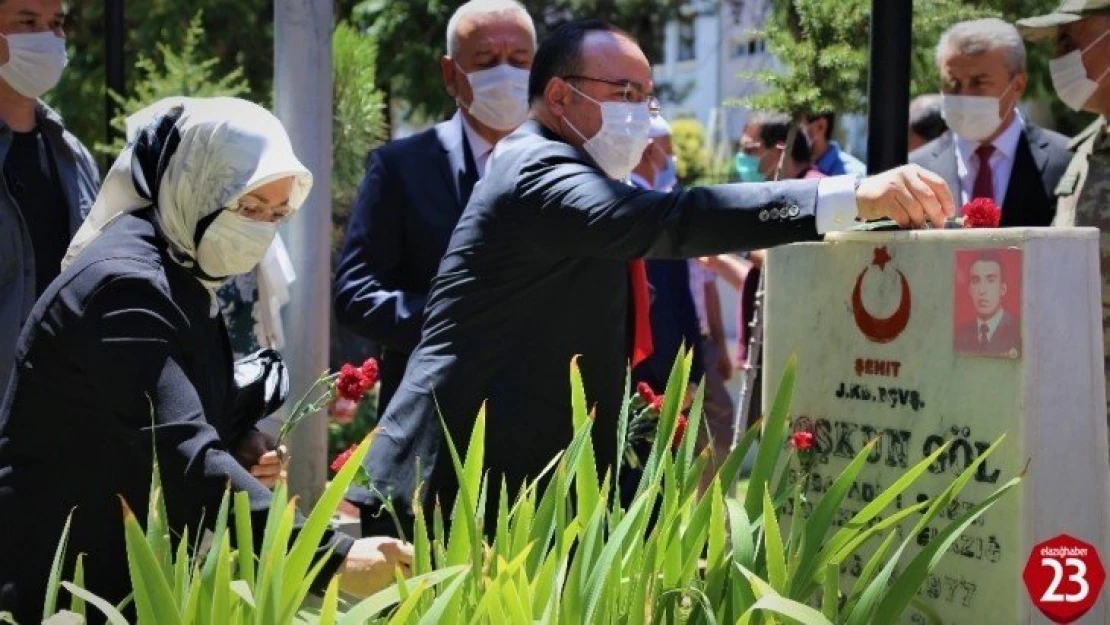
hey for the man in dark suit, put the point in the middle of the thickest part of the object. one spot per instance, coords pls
(990, 151)
(994, 331)
(416, 188)
(538, 270)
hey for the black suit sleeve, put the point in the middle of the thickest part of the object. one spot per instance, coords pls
(576, 211)
(367, 294)
(134, 332)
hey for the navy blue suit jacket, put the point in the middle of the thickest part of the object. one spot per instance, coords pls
(536, 273)
(406, 209)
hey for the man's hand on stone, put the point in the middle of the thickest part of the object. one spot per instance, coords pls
(909, 195)
(371, 563)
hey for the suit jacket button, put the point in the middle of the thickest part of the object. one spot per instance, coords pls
(794, 211)
(763, 215)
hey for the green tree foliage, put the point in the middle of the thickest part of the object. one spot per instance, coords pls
(690, 152)
(825, 45)
(414, 33)
(359, 119)
(183, 72)
(239, 34)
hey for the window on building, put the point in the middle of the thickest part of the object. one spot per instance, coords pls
(748, 47)
(686, 39)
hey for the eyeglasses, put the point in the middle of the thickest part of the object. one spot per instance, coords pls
(632, 91)
(256, 211)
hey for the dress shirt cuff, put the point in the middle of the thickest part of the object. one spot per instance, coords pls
(836, 203)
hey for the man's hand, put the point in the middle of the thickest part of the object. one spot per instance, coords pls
(909, 195)
(370, 564)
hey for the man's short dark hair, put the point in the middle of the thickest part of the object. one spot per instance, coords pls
(926, 118)
(989, 257)
(560, 54)
(830, 119)
(774, 128)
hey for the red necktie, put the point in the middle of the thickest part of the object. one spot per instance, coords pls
(984, 179)
(641, 311)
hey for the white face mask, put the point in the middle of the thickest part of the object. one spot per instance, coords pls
(35, 62)
(234, 244)
(973, 117)
(1070, 79)
(500, 96)
(620, 142)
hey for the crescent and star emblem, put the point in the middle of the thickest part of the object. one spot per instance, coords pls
(877, 329)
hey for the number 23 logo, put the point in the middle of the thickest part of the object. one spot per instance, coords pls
(1079, 577)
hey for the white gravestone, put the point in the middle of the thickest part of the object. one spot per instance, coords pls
(917, 338)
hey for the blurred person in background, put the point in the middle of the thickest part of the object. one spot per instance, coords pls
(50, 179)
(829, 158)
(926, 120)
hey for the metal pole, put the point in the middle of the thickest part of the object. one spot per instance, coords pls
(114, 36)
(303, 102)
(888, 92)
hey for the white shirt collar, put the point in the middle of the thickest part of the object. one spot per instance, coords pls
(479, 147)
(1005, 144)
(992, 323)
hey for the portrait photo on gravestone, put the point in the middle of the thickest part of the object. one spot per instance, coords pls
(986, 314)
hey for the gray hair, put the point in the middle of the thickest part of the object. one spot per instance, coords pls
(476, 8)
(977, 36)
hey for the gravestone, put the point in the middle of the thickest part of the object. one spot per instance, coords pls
(917, 338)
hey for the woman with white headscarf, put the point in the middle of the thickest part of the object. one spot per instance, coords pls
(129, 333)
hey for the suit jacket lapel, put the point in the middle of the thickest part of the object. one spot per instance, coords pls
(448, 151)
(945, 165)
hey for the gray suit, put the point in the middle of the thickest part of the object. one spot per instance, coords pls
(1042, 157)
(80, 183)
(536, 273)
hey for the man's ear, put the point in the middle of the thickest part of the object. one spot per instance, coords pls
(447, 70)
(558, 97)
(1002, 290)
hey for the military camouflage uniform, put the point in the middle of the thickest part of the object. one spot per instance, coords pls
(1084, 200)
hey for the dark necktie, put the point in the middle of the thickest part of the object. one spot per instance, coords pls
(468, 177)
(984, 179)
(983, 329)
(642, 345)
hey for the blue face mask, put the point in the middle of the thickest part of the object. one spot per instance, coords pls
(667, 178)
(747, 168)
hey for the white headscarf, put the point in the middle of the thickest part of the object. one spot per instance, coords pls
(227, 148)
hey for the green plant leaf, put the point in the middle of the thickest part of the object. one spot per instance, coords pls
(154, 601)
(244, 537)
(905, 587)
(107, 609)
(772, 543)
(818, 524)
(378, 602)
(50, 605)
(775, 431)
(77, 604)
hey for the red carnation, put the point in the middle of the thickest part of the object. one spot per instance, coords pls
(643, 389)
(802, 440)
(351, 383)
(679, 431)
(342, 459)
(369, 371)
(981, 213)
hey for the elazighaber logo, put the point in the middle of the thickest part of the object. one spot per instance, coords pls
(1064, 577)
